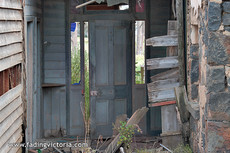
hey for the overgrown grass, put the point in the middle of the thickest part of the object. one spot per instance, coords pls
(75, 65)
(139, 75)
(182, 149)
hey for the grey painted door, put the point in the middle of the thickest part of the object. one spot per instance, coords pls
(110, 74)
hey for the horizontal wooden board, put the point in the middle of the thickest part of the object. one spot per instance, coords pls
(55, 80)
(54, 73)
(10, 38)
(163, 95)
(169, 74)
(54, 57)
(163, 84)
(53, 65)
(164, 103)
(54, 48)
(11, 61)
(6, 51)
(4, 113)
(12, 139)
(162, 63)
(168, 40)
(33, 10)
(10, 26)
(8, 122)
(10, 132)
(54, 31)
(10, 15)
(11, 4)
(9, 96)
(55, 39)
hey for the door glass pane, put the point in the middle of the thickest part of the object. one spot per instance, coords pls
(75, 54)
(140, 52)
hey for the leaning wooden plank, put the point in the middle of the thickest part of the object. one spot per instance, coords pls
(163, 84)
(182, 102)
(6, 136)
(12, 139)
(9, 96)
(10, 26)
(10, 61)
(135, 119)
(11, 4)
(10, 38)
(162, 63)
(10, 50)
(163, 95)
(10, 15)
(4, 113)
(168, 40)
(173, 73)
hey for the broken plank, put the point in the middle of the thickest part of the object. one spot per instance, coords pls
(163, 95)
(135, 119)
(163, 84)
(161, 63)
(164, 103)
(165, 41)
(173, 73)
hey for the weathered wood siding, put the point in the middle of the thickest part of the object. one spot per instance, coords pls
(11, 49)
(54, 68)
(54, 40)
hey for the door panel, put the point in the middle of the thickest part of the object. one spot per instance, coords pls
(110, 58)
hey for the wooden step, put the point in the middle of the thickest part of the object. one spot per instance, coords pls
(169, 74)
(162, 63)
(164, 41)
(163, 84)
(161, 95)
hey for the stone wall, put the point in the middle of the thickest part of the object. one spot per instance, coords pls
(208, 73)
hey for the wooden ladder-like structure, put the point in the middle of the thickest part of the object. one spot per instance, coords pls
(161, 88)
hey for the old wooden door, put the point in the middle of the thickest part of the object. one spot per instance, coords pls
(110, 74)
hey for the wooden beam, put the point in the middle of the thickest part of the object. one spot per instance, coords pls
(165, 41)
(162, 63)
(164, 103)
(173, 73)
(180, 32)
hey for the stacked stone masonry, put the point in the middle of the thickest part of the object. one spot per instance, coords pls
(208, 73)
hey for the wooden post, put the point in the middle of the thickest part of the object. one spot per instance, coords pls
(180, 32)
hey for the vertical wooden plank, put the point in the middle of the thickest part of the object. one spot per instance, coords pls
(55, 112)
(6, 85)
(47, 114)
(172, 30)
(180, 32)
(1, 83)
